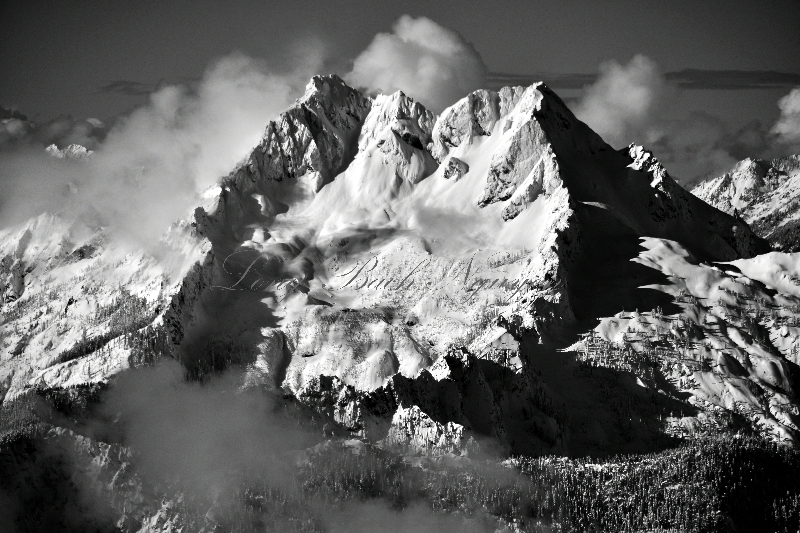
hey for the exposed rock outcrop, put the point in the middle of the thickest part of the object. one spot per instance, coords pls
(455, 169)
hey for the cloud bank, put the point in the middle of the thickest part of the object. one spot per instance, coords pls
(17, 131)
(214, 439)
(187, 430)
(690, 79)
(430, 63)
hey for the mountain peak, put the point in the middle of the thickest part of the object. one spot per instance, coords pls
(330, 88)
(407, 118)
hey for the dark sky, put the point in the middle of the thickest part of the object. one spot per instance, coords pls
(55, 56)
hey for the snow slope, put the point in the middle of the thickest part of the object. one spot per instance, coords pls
(731, 344)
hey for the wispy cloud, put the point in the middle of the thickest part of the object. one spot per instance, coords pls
(733, 79)
(141, 88)
(131, 88)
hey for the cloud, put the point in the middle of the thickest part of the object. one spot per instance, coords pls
(787, 127)
(694, 146)
(14, 131)
(638, 103)
(214, 440)
(151, 167)
(430, 63)
(732, 79)
(66, 130)
(625, 101)
(751, 140)
(131, 88)
(187, 430)
(17, 131)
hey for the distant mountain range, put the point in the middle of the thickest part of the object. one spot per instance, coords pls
(764, 194)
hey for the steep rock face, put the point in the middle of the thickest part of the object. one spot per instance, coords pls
(518, 166)
(456, 168)
(301, 151)
(472, 117)
(536, 147)
(402, 115)
(672, 204)
(390, 161)
(761, 193)
(314, 139)
(414, 430)
(462, 402)
(738, 188)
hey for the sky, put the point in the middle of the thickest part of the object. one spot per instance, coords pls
(57, 57)
(700, 82)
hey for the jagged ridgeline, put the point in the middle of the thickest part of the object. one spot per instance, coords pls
(431, 296)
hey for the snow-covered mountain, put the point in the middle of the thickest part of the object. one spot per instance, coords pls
(495, 279)
(763, 193)
(416, 277)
